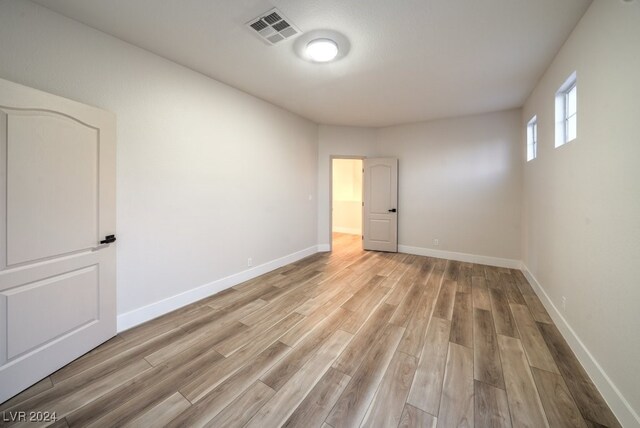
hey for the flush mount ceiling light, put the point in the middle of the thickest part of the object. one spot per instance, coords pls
(321, 46)
(322, 50)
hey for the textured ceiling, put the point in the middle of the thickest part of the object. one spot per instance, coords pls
(409, 60)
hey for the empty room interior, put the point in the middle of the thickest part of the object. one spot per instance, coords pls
(266, 213)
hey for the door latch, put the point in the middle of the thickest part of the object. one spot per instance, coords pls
(108, 239)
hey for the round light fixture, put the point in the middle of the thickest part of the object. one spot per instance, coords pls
(322, 50)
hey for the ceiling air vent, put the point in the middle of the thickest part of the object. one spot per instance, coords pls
(272, 27)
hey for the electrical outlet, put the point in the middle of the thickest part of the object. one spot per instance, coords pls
(564, 303)
(436, 242)
(249, 262)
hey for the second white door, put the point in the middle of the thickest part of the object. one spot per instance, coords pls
(380, 225)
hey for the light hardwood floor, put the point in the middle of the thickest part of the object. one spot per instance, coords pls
(346, 339)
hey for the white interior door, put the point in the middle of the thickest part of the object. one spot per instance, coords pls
(57, 202)
(380, 204)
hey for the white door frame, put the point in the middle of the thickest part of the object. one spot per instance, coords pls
(331, 158)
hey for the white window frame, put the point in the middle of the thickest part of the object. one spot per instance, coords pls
(532, 138)
(562, 110)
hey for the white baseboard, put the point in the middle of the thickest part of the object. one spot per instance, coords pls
(626, 415)
(461, 257)
(347, 230)
(154, 310)
(323, 248)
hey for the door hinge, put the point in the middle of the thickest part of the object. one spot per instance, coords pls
(363, 237)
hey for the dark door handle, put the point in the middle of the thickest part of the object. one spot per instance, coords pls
(108, 239)
(392, 210)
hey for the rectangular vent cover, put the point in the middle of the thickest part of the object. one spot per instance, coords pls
(273, 27)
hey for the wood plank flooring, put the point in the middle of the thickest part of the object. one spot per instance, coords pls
(345, 339)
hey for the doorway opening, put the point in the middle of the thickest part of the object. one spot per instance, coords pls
(346, 203)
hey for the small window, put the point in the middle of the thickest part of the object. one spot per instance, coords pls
(567, 111)
(532, 138)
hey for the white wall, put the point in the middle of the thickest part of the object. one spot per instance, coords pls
(459, 181)
(347, 196)
(207, 176)
(581, 219)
